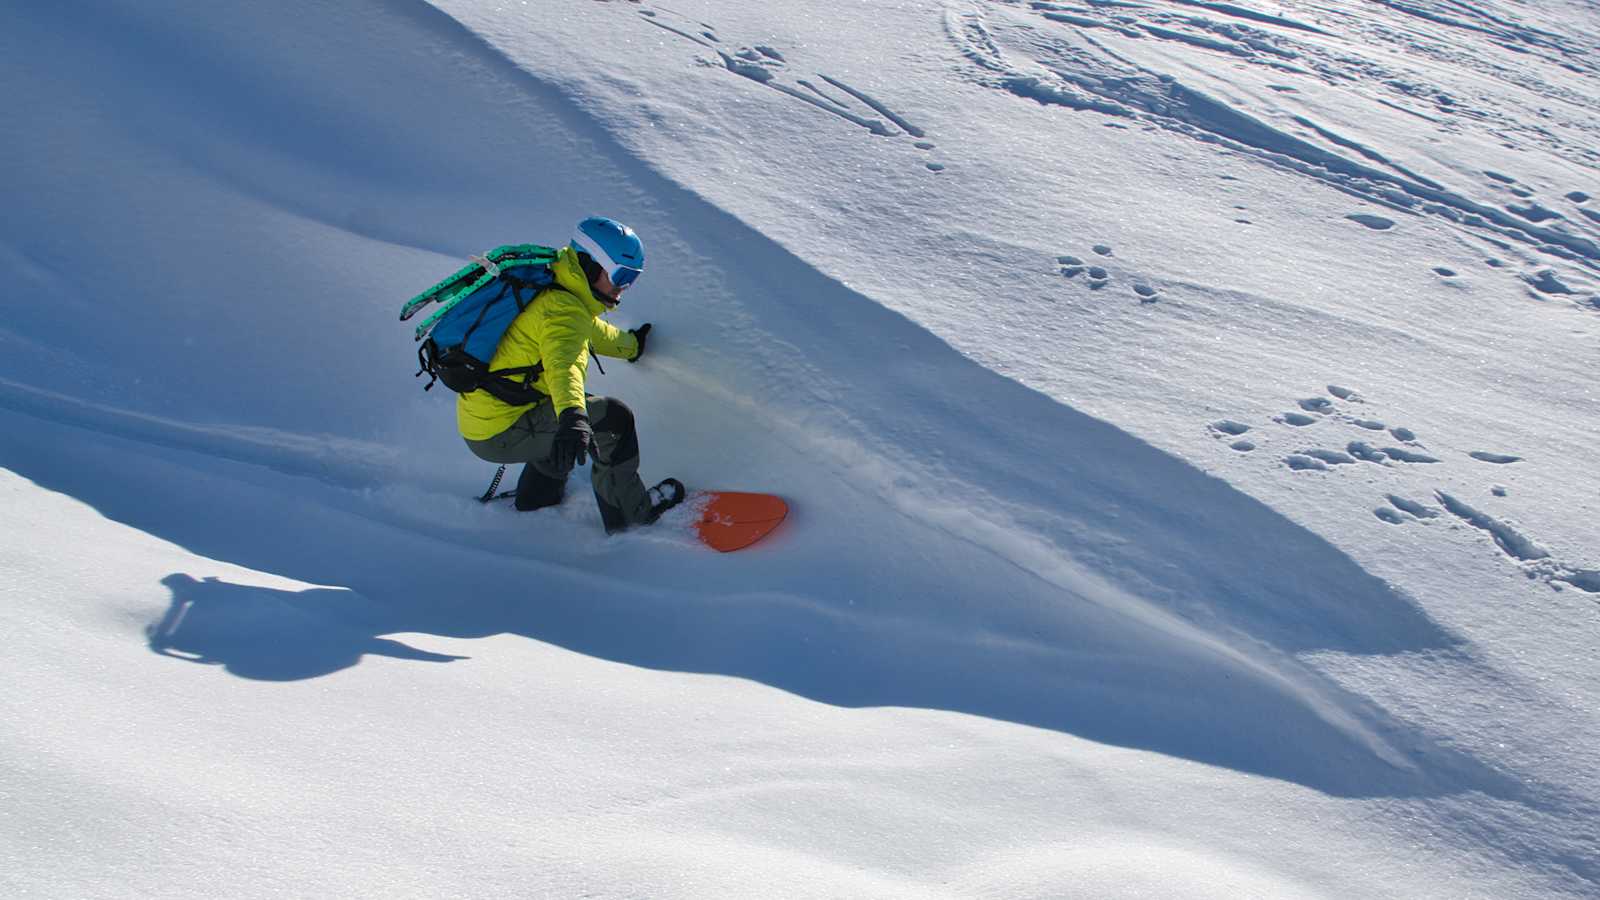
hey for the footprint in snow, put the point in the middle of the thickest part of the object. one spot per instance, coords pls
(1533, 211)
(1402, 510)
(1099, 277)
(1400, 454)
(1546, 281)
(1331, 457)
(1222, 429)
(1321, 459)
(1522, 548)
(1365, 451)
(1415, 509)
(1376, 223)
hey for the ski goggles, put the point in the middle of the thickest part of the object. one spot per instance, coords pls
(622, 276)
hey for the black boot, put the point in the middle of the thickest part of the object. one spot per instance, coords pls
(536, 490)
(664, 496)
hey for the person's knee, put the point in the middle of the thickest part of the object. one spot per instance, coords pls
(616, 423)
(617, 419)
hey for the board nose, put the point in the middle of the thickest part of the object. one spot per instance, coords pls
(732, 520)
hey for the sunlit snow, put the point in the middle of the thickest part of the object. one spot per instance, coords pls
(1187, 410)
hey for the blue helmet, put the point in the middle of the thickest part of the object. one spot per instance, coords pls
(613, 246)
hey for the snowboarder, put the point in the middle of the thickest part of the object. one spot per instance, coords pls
(557, 332)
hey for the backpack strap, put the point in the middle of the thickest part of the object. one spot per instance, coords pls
(426, 365)
(500, 384)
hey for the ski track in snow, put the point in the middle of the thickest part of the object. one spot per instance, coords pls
(337, 461)
(767, 66)
(1081, 58)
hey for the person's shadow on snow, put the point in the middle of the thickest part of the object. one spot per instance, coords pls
(273, 635)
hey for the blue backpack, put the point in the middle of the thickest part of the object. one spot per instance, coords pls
(475, 307)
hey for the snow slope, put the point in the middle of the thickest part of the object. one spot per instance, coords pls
(1167, 520)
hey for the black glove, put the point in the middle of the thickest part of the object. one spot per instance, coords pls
(573, 436)
(640, 333)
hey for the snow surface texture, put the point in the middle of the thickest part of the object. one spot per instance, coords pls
(1187, 408)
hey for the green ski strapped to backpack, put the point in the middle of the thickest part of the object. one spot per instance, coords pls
(475, 307)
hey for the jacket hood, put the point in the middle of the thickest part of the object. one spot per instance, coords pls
(570, 278)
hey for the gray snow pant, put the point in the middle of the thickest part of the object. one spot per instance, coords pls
(618, 490)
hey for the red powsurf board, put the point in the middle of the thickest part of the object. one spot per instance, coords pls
(730, 520)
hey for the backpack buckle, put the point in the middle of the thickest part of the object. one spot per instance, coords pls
(490, 267)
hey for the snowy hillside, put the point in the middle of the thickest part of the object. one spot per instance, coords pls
(1187, 410)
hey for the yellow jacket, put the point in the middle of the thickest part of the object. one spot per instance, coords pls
(556, 330)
